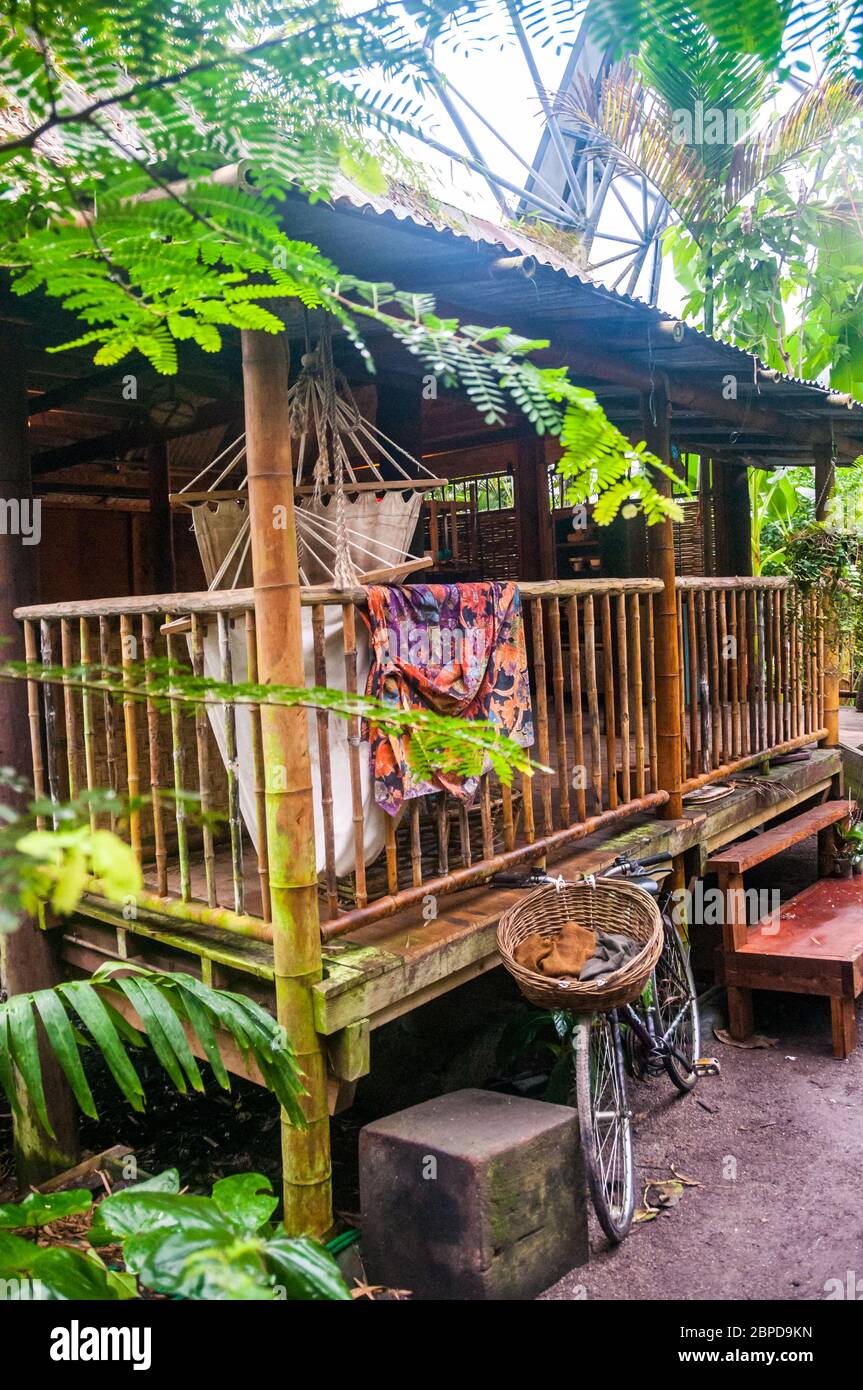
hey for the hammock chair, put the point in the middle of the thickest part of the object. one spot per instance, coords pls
(354, 526)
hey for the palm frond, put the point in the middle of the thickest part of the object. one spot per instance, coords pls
(172, 1009)
(809, 123)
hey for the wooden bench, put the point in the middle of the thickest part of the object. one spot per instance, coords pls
(813, 945)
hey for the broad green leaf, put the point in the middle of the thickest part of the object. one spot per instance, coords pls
(305, 1268)
(39, 1209)
(245, 1200)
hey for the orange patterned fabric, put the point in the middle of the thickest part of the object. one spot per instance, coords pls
(453, 648)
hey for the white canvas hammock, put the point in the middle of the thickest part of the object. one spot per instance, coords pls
(353, 529)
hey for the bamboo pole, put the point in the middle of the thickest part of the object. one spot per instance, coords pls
(47, 651)
(34, 719)
(416, 844)
(258, 763)
(637, 693)
(592, 702)
(694, 733)
(559, 710)
(704, 682)
(322, 722)
(743, 671)
(231, 766)
(733, 685)
(290, 809)
(161, 853)
(202, 752)
(350, 646)
(656, 413)
(70, 712)
(541, 697)
(178, 764)
(716, 705)
(128, 647)
(722, 662)
(609, 702)
(623, 684)
(651, 697)
(87, 714)
(108, 712)
(577, 716)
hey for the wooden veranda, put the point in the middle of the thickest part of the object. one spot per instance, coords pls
(647, 683)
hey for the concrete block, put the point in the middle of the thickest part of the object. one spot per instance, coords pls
(473, 1195)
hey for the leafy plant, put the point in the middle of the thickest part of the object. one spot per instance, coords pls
(167, 1005)
(52, 866)
(682, 67)
(220, 1247)
(116, 120)
(826, 564)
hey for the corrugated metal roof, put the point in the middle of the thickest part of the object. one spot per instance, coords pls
(407, 206)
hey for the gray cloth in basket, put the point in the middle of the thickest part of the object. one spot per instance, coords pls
(613, 950)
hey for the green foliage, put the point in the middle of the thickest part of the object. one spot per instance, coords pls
(109, 102)
(167, 1006)
(220, 1247)
(825, 563)
(52, 866)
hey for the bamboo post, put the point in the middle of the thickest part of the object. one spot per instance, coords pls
(416, 844)
(178, 764)
(731, 662)
(87, 713)
(704, 683)
(541, 694)
(651, 696)
(322, 721)
(623, 672)
(34, 719)
(692, 642)
(577, 717)
(47, 652)
(350, 646)
(202, 752)
(608, 698)
(70, 712)
(716, 703)
(130, 725)
(108, 712)
(559, 711)
(258, 763)
(657, 412)
(289, 805)
(637, 691)
(231, 766)
(148, 637)
(592, 701)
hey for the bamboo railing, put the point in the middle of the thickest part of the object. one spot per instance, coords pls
(751, 662)
(751, 672)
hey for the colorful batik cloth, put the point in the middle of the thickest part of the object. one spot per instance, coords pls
(457, 649)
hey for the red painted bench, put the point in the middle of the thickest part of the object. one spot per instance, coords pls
(813, 945)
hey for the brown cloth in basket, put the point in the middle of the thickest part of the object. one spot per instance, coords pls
(557, 953)
(577, 952)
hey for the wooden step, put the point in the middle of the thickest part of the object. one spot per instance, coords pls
(821, 924)
(745, 854)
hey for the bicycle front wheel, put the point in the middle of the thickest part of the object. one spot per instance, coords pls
(676, 1010)
(605, 1122)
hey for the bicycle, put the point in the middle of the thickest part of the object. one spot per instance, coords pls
(662, 1032)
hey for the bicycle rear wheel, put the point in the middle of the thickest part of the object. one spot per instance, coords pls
(676, 1010)
(604, 1122)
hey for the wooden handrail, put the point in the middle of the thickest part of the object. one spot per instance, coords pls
(242, 600)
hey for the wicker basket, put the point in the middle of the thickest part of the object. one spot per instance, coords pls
(608, 906)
